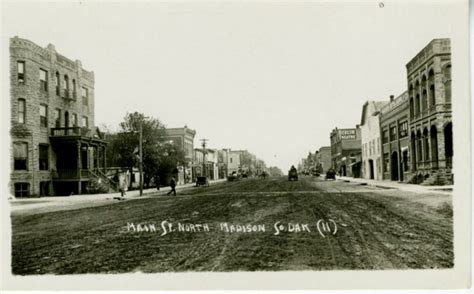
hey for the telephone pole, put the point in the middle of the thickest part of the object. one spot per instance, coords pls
(203, 144)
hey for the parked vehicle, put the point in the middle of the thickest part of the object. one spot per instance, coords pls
(330, 174)
(292, 174)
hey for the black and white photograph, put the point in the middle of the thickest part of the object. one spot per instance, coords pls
(260, 144)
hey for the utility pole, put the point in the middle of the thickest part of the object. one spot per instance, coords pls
(203, 144)
(141, 158)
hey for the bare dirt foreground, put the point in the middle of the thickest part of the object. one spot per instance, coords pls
(250, 225)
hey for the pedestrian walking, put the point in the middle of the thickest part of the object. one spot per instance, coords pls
(173, 186)
(123, 184)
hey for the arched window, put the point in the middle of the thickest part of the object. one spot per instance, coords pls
(417, 99)
(431, 86)
(74, 88)
(426, 139)
(424, 94)
(447, 83)
(57, 84)
(66, 86)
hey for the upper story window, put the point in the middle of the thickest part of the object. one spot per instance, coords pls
(384, 136)
(43, 156)
(57, 118)
(43, 115)
(43, 80)
(21, 111)
(85, 121)
(58, 89)
(447, 83)
(21, 72)
(393, 133)
(74, 120)
(85, 96)
(74, 88)
(403, 129)
(20, 156)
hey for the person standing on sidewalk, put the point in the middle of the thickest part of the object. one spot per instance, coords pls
(123, 184)
(173, 186)
(157, 182)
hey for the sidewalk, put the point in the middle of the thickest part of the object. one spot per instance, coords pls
(400, 186)
(54, 203)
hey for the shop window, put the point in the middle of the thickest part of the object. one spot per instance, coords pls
(20, 156)
(22, 189)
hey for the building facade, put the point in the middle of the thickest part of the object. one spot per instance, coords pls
(234, 162)
(394, 126)
(56, 150)
(370, 140)
(323, 158)
(429, 91)
(345, 148)
(183, 138)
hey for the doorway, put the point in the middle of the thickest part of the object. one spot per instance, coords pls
(394, 166)
(371, 169)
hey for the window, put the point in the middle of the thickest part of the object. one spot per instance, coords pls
(405, 160)
(22, 189)
(57, 118)
(43, 157)
(85, 121)
(58, 84)
(447, 84)
(85, 96)
(393, 133)
(403, 129)
(386, 160)
(21, 111)
(20, 156)
(43, 80)
(385, 136)
(43, 115)
(231, 160)
(74, 94)
(66, 86)
(74, 120)
(21, 72)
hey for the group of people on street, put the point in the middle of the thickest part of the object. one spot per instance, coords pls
(122, 182)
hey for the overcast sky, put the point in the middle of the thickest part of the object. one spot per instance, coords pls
(274, 79)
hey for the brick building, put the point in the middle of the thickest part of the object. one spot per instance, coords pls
(184, 139)
(429, 91)
(394, 126)
(56, 150)
(345, 151)
(323, 158)
(370, 140)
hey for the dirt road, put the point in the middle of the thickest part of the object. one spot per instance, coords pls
(249, 225)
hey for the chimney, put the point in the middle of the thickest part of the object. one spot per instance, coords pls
(391, 98)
